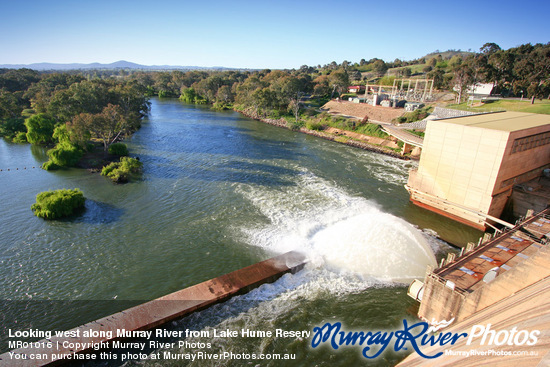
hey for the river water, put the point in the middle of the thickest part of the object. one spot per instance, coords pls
(220, 192)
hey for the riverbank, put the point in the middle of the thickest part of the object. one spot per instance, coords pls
(333, 134)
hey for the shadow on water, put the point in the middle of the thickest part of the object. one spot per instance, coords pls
(96, 212)
(39, 153)
(148, 158)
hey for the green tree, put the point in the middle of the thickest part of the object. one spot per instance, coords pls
(71, 134)
(489, 48)
(225, 94)
(164, 84)
(455, 61)
(107, 126)
(110, 125)
(533, 71)
(321, 85)
(438, 76)
(10, 106)
(503, 65)
(462, 78)
(380, 68)
(40, 129)
(131, 99)
(339, 80)
(82, 97)
(188, 95)
(18, 80)
(13, 127)
(41, 93)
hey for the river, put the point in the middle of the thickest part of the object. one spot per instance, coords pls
(220, 192)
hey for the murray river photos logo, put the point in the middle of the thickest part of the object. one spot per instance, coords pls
(417, 335)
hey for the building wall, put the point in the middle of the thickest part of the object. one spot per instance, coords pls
(439, 302)
(475, 167)
(518, 167)
(518, 163)
(460, 163)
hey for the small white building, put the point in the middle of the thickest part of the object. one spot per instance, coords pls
(479, 90)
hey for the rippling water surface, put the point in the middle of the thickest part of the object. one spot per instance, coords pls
(220, 192)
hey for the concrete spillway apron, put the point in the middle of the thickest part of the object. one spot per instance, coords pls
(165, 309)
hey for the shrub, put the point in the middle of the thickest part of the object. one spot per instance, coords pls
(314, 125)
(200, 100)
(343, 123)
(164, 94)
(291, 124)
(21, 137)
(274, 114)
(58, 203)
(50, 166)
(188, 95)
(122, 171)
(372, 130)
(309, 112)
(65, 155)
(387, 80)
(342, 139)
(221, 106)
(401, 119)
(119, 149)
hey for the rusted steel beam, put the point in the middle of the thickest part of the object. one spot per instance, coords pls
(159, 311)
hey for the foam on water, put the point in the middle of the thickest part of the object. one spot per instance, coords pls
(337, 231)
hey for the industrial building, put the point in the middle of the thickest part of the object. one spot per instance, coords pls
(469, 165)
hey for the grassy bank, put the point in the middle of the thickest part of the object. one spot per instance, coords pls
(539, 106)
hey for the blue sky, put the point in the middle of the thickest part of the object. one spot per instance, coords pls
(259, 34)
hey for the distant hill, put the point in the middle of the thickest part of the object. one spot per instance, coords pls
(448, 54)
(115, 65)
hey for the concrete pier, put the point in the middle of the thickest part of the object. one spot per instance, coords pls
(503, 282)
(157, 312)
(488, 273)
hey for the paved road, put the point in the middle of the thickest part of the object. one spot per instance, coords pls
(404, 136)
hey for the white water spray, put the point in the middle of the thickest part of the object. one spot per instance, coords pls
(338, 231)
